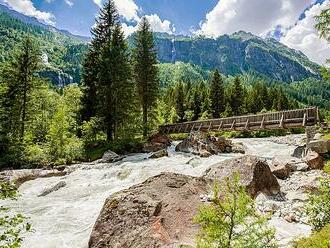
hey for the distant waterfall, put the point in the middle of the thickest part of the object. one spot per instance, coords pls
(173, 51)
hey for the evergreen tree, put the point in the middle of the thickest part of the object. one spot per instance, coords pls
(145, 71)
(217, 95)
(116, 89)
(180, 99)
(237, 97)
(21, 79)
(196, 104)
(101, 35)
(89, 82)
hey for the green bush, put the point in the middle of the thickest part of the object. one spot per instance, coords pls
(319, 239)
(231, 220)
(12, 226)
(318, 206)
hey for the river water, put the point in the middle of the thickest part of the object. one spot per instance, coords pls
(64, 219)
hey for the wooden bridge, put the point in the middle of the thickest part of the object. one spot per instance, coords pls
(298, 118)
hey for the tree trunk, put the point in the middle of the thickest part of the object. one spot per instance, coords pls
(145, 121)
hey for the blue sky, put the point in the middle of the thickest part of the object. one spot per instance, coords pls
(290, 21)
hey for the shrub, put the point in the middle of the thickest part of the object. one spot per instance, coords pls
(231, 220)
(318, 206)
(319, 239)
(12, 226)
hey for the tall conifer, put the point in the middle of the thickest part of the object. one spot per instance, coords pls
(145, 71)
(217, 95)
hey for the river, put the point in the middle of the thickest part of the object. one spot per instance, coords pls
(64, 219)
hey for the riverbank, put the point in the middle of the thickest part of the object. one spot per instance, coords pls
(74, 208)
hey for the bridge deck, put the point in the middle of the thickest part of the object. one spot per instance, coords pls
(297, 118)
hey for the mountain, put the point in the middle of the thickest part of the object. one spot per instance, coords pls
(238, 53)
(62, 51)
(34, 21)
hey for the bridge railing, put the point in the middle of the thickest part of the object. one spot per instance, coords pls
(267, 121)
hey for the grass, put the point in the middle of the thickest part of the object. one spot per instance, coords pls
(319, 239)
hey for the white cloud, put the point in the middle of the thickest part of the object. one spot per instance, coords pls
(126, 8)
(304, 37)
(255, 16)
(26, 7)
(69, 2)
(157, 25)
(98, 2)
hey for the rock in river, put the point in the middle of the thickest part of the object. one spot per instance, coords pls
(54, 188)
(255, 174)
(156, 213)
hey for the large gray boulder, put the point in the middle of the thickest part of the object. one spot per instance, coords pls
(110, 157)
(319, 146)
(159, 154)
(204, 145)
(254, 172)
(156, 213)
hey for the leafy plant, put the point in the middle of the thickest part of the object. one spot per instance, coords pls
(319, 239)
(11, 225)
(231, 220)
(318, 207)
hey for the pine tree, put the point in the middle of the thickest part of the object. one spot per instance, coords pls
(21, 80)
(145, 71)
(101, 35)
(116, 89)
(196, 103)
(217, 95)
(180, 99)
(237, 97)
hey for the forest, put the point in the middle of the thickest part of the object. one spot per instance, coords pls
(123, 96)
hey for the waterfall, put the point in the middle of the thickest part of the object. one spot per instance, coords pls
(173, 51)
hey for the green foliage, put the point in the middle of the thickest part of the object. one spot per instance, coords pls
(64, 53)
(319, 239)
(145, 71)
(323, 23)
(231, 220)
(318, 207)
(217, 95)
(170, 74)
(12, 226)
(326, 167)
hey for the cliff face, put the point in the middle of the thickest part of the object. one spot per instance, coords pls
(238, 53)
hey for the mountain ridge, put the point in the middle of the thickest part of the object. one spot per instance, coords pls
(238, 53)
(34, 21)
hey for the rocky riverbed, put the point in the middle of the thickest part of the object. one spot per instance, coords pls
(63, 209)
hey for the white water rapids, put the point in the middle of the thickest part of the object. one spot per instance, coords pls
(64, 218)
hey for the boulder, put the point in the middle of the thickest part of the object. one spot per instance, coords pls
(299, 152)
(110, 157)
(159, 154)
(18, 177)
(156, 213)
(160, 138)
(254, 172)
(156, 142)
(153, 147)
(54, 188)
(238, 148)
(204, 145)
(282, 166)
(314, 160)
(319, 146)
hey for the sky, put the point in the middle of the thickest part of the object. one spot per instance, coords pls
(290, 21)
